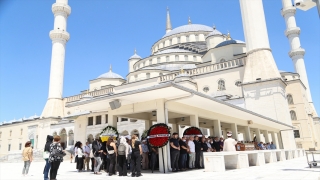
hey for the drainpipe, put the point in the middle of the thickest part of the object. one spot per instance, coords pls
(167, 121)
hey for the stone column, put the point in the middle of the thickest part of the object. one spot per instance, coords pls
(103, 118)
(258, 135)
(112, 120)
(234, 130)
(247, 135)
(175, 128)
(275, 139)
(161, 116)
(266, 136)
(194, 121)
(217, 128)
(147, 124)
(279, 141)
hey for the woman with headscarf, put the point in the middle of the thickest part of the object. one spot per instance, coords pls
(123, 152)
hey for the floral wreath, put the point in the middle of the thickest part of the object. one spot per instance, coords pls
(109, 131)
(158, 135)
(144, 134)
(192, 131)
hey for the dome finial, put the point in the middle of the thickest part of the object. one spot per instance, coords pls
(135, 51)
(214, 27)
(110, 69)
(189, 21)
(168, 23)
(228, 36)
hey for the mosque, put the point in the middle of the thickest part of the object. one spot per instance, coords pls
(194, 76)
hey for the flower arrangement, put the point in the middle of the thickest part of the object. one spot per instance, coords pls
(144, 134)
(158, 135)
(107, 132)
(192, 131)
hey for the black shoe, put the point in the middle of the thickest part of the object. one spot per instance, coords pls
(133, 175)
(138, 175)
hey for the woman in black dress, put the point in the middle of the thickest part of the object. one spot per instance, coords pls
(136, 156)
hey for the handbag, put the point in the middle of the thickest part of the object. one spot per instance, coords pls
(45, 155)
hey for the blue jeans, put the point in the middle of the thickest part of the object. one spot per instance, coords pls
(46, 169)
(183, 161)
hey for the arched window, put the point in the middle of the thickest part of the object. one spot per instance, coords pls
(167, 58)
(170, 42)
(197, 37)
(186, 58)
(289, 99)
(150, 61)
(177, 58)
(222, 60)
(90, 138)
(293, 115)
(178, 39)
(54, 133)
(194, 58)
(187, 37)
(221, 85)
(158, 60)
(71, 138)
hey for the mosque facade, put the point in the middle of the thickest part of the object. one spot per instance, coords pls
(194, 76)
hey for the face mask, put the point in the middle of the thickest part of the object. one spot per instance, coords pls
(221, 140)
(184, 140)
(216, 140)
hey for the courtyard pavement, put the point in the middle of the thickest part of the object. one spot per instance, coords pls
(292, 170)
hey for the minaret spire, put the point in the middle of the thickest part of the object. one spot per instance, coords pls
(110, 69)
(189, 21)
(59, 37)
(168, 25)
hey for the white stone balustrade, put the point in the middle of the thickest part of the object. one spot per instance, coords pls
(220, 161)
(92, 93)
(206, 69)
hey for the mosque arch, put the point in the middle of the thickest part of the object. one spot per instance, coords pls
(97, 136)
(124, 133)
(54, 133)
(136, 132)
(293, 115)
(221, 85)
(63, 136)
(290, 99)
(71, 137)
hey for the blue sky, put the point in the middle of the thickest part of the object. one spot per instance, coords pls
(105, 32)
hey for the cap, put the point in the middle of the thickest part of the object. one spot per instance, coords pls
(229, 133)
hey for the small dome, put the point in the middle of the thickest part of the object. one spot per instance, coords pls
(110, 75)
(135, 56)
(188, 28)
(232, 41)
(214, 32)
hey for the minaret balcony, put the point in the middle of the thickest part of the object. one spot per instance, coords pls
(288, 10)
(61, 8)
(297, 52)
(59, 34)
(293, 30)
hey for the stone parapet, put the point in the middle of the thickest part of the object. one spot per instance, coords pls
(61, 8)
(59, 34)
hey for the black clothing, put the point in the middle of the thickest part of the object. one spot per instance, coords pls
(197, 161)
(175, 143)
(49, 141)
(110, 148)
(112, 158)
(204, 147)
(80, 163)
(92, 164)
(216, 146)
(96, 147)
(197, 145)
(136, 163)
(54, 169)
(136, 147)
(175, 160)
(122, 165)
(183, 151)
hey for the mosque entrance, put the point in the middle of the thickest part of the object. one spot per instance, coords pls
(63, 136)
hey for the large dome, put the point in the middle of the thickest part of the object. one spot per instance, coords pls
(189, 28)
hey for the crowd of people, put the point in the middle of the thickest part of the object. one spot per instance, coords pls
(126, 155)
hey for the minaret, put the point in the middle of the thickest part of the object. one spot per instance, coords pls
(264, 90)
(296, 53)
(59, 37)
(189, 20)
(168, 23)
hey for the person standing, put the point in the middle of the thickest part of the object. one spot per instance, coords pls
(154, 157)
(47, 151)
(229, 143)
(204, 148)
(198, 148)
(97, 152)
(145, 158)
(221, 143)
(174, 152)
(112, 152)
(272, 146)
(192, 153)
(87, 150)
(215, 144)
(135, 156)
(123, 152)
(80, 157)
(183, 154)
(91, 158)
(27, 154)
(56, 156)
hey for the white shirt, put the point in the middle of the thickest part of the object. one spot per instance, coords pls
(229, 145)
(87, 149)
(191, 146)
(79, 152)
(75, 151)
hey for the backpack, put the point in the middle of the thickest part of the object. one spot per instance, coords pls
(122, 149)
